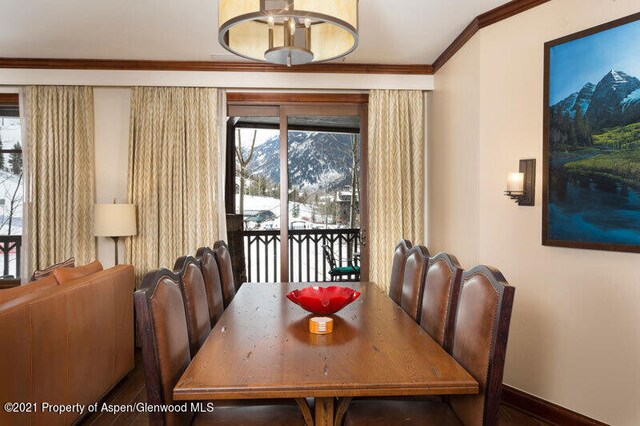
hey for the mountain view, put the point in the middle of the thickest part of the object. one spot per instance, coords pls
(594, 159)
(322, 179)
(316, 160)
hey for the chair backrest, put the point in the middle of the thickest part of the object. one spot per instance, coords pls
(328, 256)
(440, 298)
(397, 269)
(212, 282)
(480, 341)
(194, 296)
(223, 257)
(162, 327)
(415, 268)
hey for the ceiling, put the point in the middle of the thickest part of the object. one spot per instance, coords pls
(391, 32)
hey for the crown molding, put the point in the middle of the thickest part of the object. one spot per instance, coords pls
(498, 14)
(236, 66)
(488, 18)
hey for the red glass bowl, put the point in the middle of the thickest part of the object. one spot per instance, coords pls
(323, 300)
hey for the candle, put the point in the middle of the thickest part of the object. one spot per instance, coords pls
(515, 182)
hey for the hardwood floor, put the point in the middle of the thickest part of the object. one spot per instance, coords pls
(131, 390)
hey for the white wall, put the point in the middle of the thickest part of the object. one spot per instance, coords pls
(111, 110)
(575, 330)
(452, 160)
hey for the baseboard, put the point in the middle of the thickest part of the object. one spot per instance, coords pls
(544, 410)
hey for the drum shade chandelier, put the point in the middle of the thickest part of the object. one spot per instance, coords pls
(288, 32)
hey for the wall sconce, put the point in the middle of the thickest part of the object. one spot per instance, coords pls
(521, 186)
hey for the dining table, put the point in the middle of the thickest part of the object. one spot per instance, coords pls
(261, 348)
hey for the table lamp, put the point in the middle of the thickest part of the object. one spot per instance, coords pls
(115, 221)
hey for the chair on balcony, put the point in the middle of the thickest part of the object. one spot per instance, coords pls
(350, 272)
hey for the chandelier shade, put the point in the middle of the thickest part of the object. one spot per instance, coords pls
(288, 32)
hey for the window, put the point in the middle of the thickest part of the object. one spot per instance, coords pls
(295, 188)
(11, 187)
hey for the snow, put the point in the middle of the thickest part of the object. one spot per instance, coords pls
(263, 256)
(631, 99)
(617, 77)
(11, 188)
(9, 132)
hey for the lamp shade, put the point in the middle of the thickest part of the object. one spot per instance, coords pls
(515, 182)
(115, 220)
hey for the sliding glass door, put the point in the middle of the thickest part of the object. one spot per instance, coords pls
(299, 185)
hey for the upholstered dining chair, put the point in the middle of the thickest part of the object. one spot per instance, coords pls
(479, 345)
(413, 280)
(194, 297)
(440, 298)
(212, 282)
(223, 257)
(162, 327)
(397, 270)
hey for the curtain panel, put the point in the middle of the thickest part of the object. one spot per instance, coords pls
(396, 176)
(60, 174)
(173, 156)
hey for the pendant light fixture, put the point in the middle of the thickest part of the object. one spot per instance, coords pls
(288, 32)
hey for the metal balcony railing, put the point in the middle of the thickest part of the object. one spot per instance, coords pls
(10, 255)
(306, 260)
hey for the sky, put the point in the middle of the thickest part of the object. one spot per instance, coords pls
(588, 59)
(262, 136)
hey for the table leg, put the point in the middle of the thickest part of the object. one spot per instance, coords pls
(305, 410)
(341, 410)
(324, 411)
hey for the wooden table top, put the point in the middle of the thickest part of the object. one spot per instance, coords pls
(261, 348)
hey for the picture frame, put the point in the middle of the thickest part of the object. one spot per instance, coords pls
(591, 119)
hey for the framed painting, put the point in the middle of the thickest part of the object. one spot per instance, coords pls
(591, 164)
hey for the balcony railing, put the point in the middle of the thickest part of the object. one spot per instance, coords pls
(306, 260)
(10, 255)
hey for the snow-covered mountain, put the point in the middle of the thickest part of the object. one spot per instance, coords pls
(316, 160)
(580, 99)
(614, 101)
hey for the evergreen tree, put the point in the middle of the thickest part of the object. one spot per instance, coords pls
(582, 131)
(567, 125)
(15, 160)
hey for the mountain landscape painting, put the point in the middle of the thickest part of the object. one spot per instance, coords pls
(592, 139)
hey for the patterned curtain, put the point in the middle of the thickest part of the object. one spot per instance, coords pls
(396, 175)
(173, 154)
(60, 174)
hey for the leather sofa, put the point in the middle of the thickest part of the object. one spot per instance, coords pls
(66, 343)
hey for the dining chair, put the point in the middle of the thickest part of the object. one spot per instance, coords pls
(351, 271)
(479, 345)
(397, 270)
(223, 257)
(440, 298)
(162, 326)
(212, 283)
(194, 297)
(415, 268)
